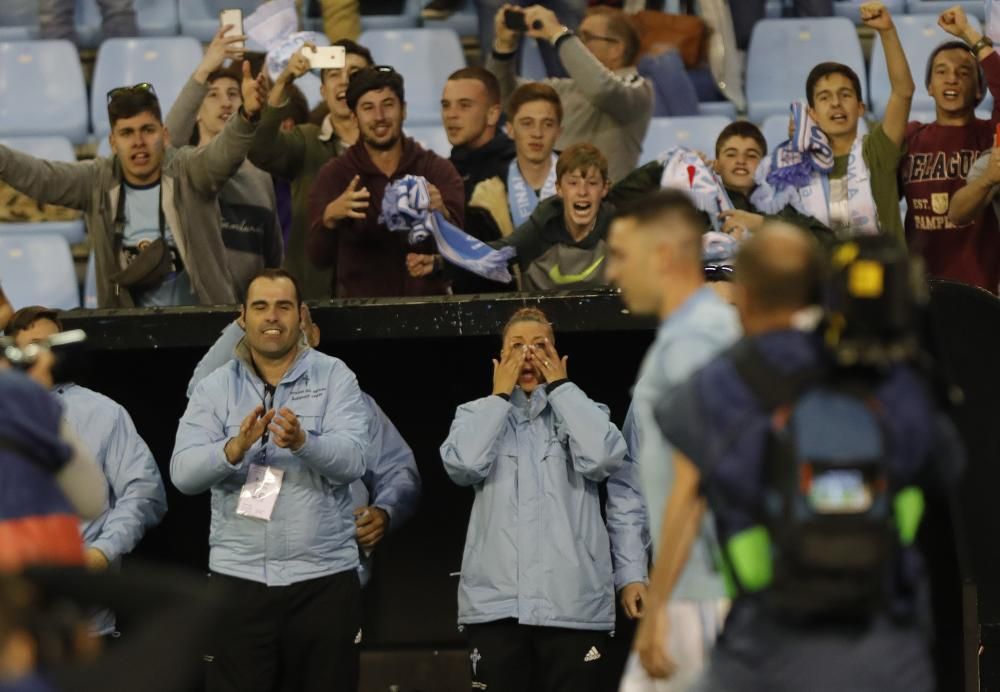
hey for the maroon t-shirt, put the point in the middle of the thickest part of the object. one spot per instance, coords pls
(937, 160)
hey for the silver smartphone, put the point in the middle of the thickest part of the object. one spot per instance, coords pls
(326, 57)
(232, 17)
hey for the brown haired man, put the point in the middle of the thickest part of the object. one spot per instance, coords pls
(562, 244)
(606, 102)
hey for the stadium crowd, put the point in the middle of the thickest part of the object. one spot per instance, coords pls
(235, 196)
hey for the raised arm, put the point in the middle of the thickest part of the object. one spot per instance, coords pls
(181, 120)
(897, 110)
(500, 60)
(140, 501)
(624, 97)
(51, 182)
(969, 201)
(280, 153)
(210, 167)
(220, 353)
(954, 21)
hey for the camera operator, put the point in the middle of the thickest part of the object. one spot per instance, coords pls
(815, 472)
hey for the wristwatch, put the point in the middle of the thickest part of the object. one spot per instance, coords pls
(980, 44)
(562, 32)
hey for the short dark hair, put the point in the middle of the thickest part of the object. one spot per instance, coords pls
(129, 103)
(350, 48)
(222, 73)
(779, 281)
(373, 79)
(274, 274)
(534, 91)
(25, 317)
(654, 209)
(955, 45)
(581, 156)
(825, 69)
(484, 77)
(741, 128)
(621, 27)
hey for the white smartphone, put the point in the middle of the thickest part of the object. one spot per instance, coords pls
(326, 57)
(232, 17)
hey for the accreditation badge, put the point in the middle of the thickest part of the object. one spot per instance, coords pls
(939, 202)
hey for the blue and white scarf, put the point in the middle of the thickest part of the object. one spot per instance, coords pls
(521, 199)
(797, 173)
(406, 208)
(684, 169)
(992, 19)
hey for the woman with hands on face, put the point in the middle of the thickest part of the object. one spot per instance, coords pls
(539, 572)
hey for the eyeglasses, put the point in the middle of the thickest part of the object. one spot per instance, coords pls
(140, 87)
(588, 37)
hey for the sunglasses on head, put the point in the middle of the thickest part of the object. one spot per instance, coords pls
(140, 87)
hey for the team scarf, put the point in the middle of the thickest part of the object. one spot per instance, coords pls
(684, 169)
(406, 208)
(521, 199)
(274, 26)
(797, 173)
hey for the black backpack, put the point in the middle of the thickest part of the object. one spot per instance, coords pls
(830, 522)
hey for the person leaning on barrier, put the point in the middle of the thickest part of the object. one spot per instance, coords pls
(655, 259)
(298, 155)
(536, 593)
(151, 211)
(278, 434)
(865, 440)
(607, 102)
(136, 498)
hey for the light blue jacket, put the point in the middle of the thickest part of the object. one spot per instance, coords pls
(311, 531)
(702, 327)
(391, 481)
(627, 518)
(536, 549)
(136, 498)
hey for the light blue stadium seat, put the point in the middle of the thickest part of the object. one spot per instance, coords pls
(695, 132)
(42, 91)
(37, 269)
(975, 8)
(18, 20)
(90, 284)
(775, 129)
(425, 58)
(430, 136)
(52, 149)
(154, 17)
(166, 63)
(725, 109)
(920, 35)
(464, 22)
(782, 53)
(200, 18)
(850, 9)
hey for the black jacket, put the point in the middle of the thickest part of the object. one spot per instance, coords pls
(488, 161)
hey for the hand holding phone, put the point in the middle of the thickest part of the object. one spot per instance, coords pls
(234, 19)
(325, 57)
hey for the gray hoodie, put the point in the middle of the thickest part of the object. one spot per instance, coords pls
(191, 180)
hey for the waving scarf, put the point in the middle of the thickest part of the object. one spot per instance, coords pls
(797, 173)
(406, 208)
(521, 199)
(684, 169)
(273, 25)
